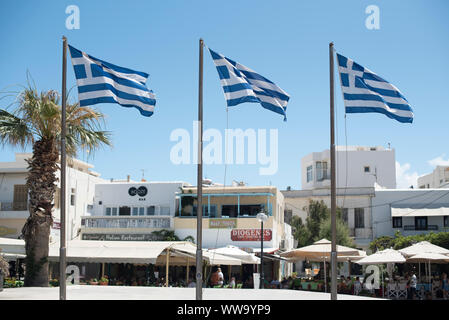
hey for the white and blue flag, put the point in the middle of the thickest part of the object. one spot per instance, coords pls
(103, 82)
(241, 84)
(364, 91)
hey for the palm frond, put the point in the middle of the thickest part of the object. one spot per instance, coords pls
(14, 131)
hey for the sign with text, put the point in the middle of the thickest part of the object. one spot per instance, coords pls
(250, 235)
(119, 237)
(222, 223)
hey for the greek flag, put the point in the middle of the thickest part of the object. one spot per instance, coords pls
(103, 82)
(364, 91)
(241, 84)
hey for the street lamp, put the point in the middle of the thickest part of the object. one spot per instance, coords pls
(262, 217)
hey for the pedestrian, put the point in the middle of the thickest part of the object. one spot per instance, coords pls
(444, 285)
(220, 277)
(413, 283)
(357, 286)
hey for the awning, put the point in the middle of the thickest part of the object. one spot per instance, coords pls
(436, 211)
(138, 252)
(112, 251)
(12, 246)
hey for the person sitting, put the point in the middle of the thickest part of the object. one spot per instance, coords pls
(232, 283)
(275, 284)
(192, 284)
(357, 286)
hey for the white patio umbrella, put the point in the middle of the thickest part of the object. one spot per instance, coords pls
(423, 247)
(235, 252)
(422, 250)
(321, 251)
(387, 256)
(381, 257)
(318, 249)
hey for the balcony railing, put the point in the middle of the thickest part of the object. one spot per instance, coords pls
(414, 228)
(125, 222)
(14, 206)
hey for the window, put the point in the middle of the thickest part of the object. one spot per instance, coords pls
(57, 199)
(344, 215)
(359, 218)
(124, 211)
(229, 211)
(420, 223)
(206, 213)
(20, 197)
(397, 222)
(366, 169)
(72, 196)
(309, 173)
(141, 211)
(135, 211)
(446, 221)
(151, 210)
(114, 211)
(108, 211)
(251, 210)
(321, 170)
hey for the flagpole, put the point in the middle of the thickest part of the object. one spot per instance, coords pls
(333, 178)
(62, 244)
(199, 216)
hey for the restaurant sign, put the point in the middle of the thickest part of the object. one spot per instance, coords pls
(222, 223)
(250, 235)
(119, 237)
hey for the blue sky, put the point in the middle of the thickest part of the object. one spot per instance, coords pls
(286, 41)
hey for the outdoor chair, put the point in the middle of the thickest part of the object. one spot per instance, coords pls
(239, 285)
(402, 290)
(392, 290)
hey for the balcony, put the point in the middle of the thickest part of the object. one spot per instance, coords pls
(430, 227)
(125, 222)
(14, 206)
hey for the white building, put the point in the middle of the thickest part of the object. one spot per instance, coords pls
(410, 211)
(439, 178)
(131, 210)
(355, 202)
(14, 196)
(356, 167)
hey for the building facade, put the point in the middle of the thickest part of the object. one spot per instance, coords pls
(411, 212)
(355, 204)
(130, 210)
(229, 218)
(439, 178)
(81, 181)
(356, 167)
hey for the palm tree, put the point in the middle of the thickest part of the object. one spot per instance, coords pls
(36, 120)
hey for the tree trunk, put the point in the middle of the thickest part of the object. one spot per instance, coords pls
(36, 231)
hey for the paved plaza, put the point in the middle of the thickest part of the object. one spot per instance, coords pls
(84, 292)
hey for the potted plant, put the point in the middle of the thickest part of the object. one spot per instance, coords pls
(4, 271)
(93, 282)
(103, 281)
(54, 282)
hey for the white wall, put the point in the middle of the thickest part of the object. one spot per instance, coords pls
(382, 220)
(115, 194)
(439, 178)
(355, 159)
(78, 178)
